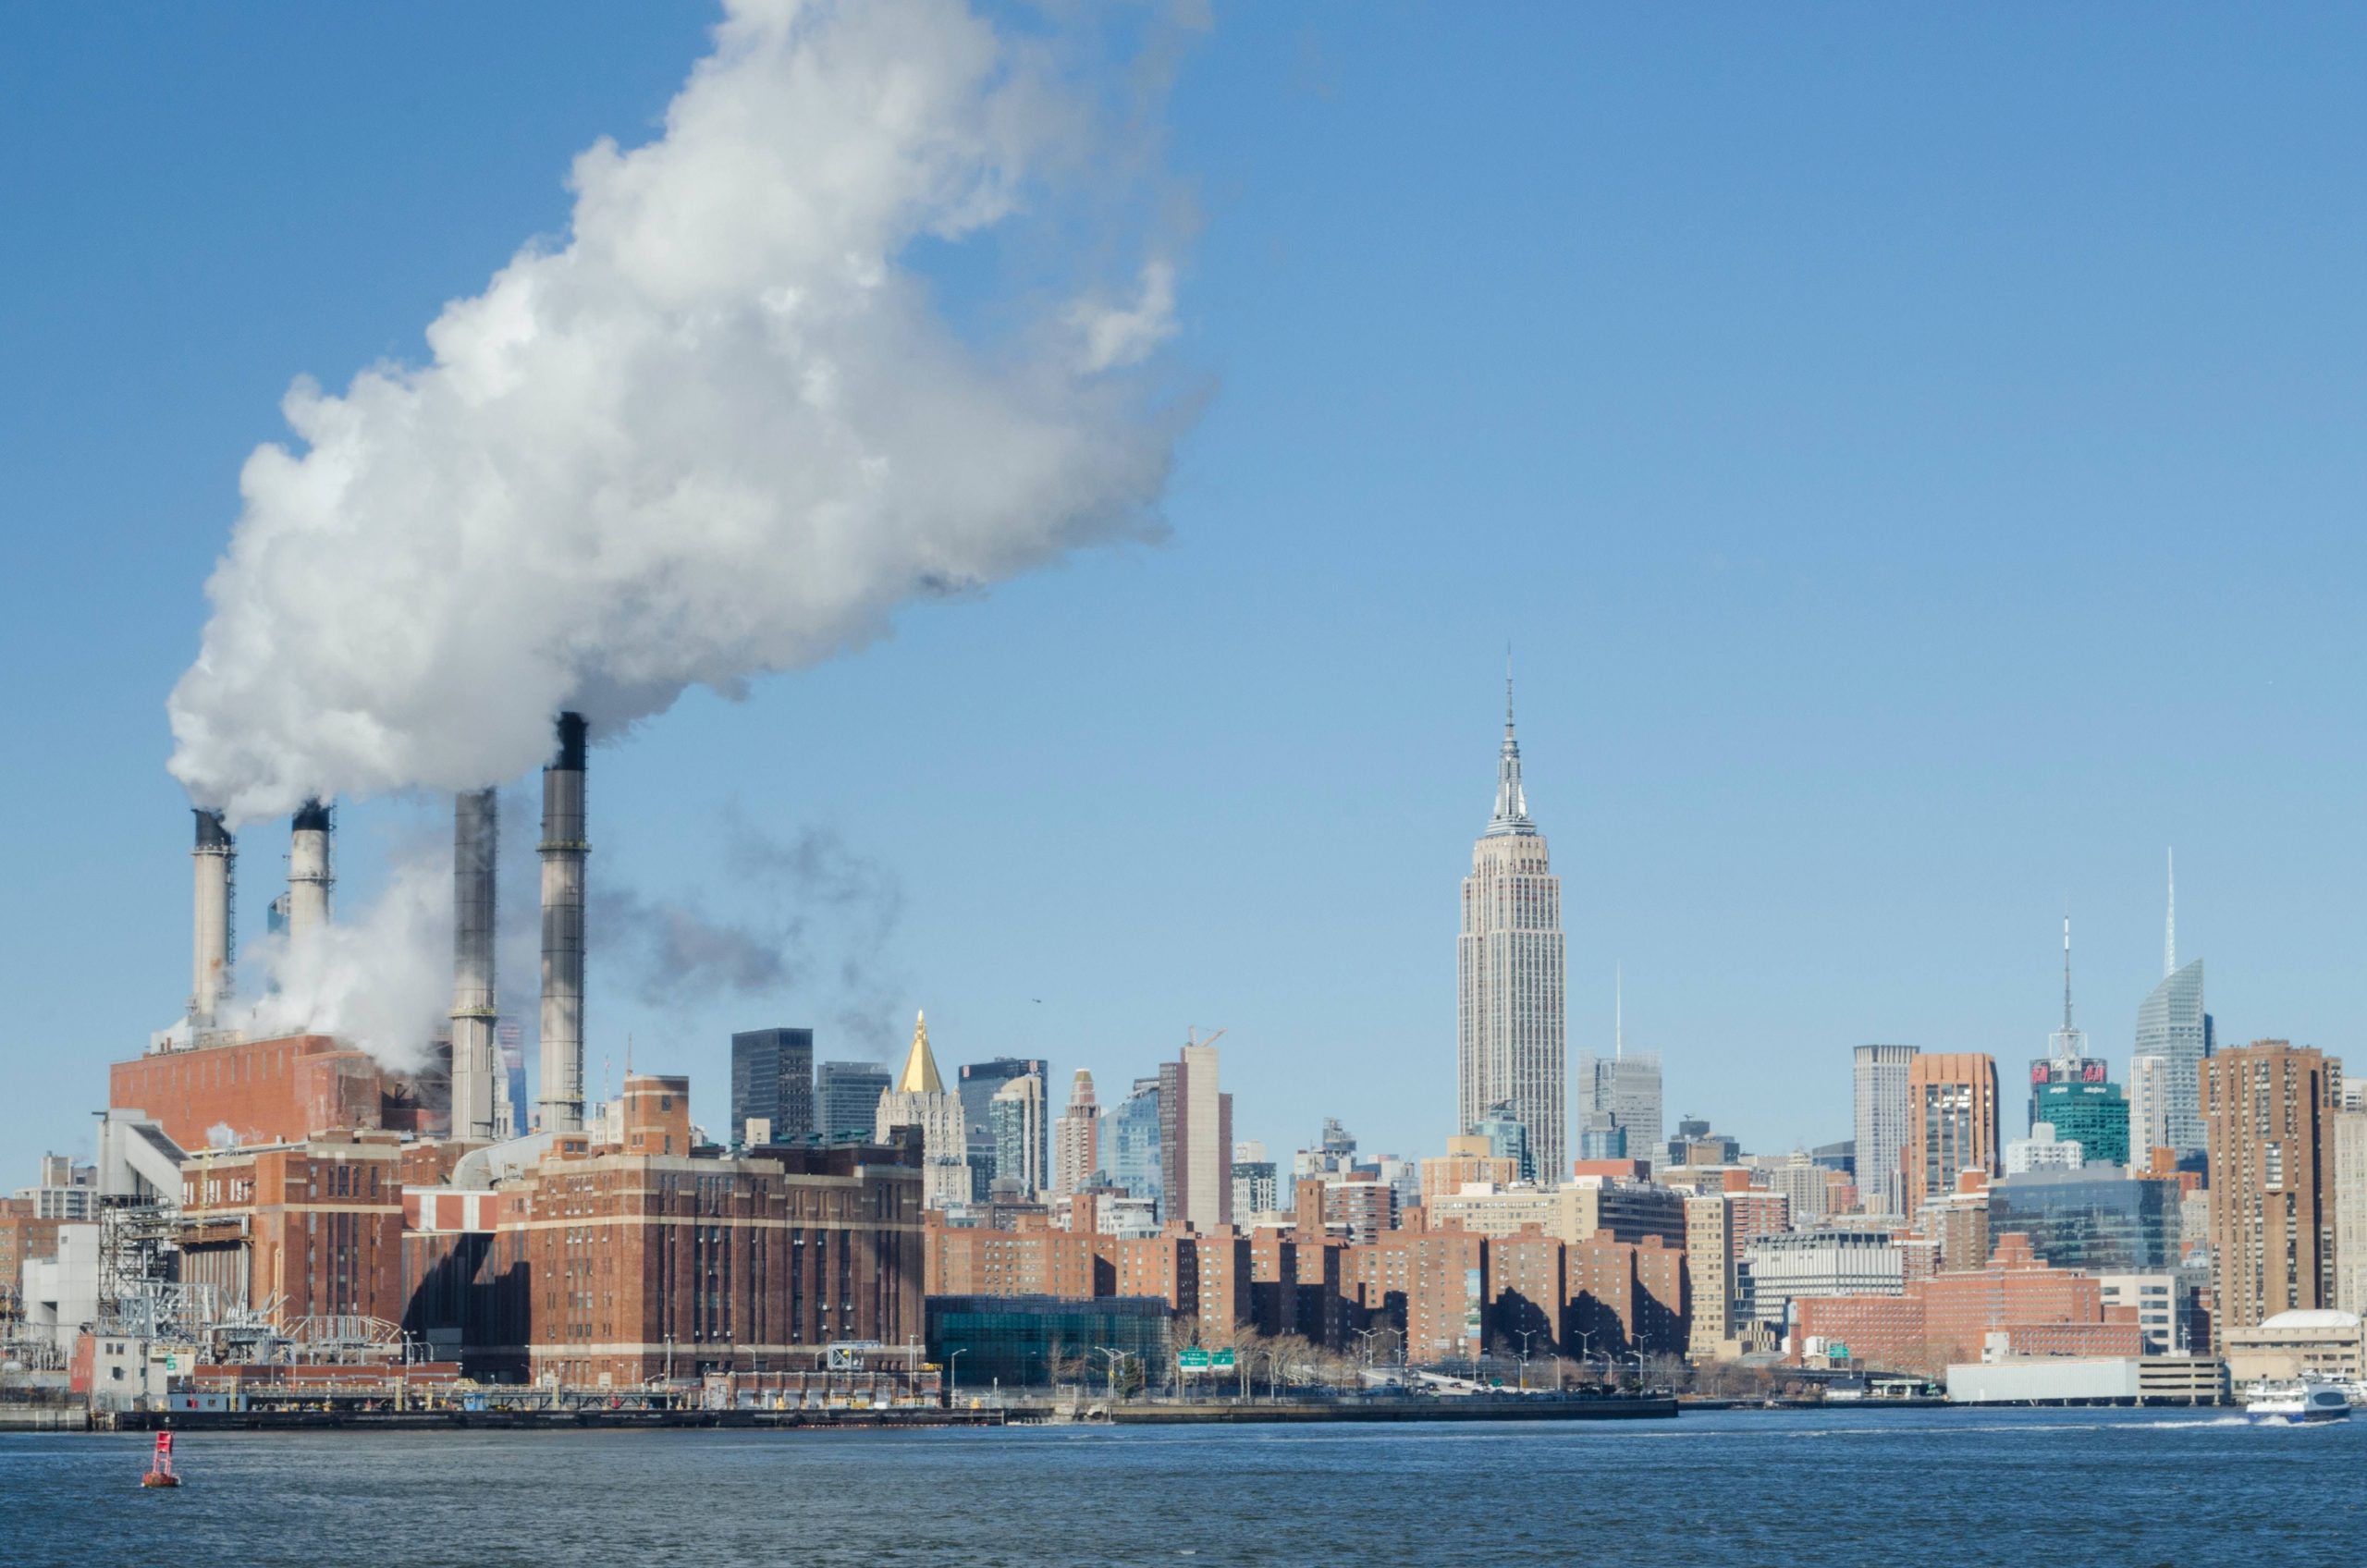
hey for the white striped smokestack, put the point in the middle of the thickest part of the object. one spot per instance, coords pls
(217, 857)
(307, 874)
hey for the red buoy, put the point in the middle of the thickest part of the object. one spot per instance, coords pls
(160, 1469)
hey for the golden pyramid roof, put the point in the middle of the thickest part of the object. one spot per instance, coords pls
(920, 1068)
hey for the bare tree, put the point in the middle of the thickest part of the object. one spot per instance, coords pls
(1184, 1333)
(1246, 1344)
(1665, 1371)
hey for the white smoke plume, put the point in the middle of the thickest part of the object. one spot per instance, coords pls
(720, 429)
(381, 977)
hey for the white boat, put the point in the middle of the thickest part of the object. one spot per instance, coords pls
(2296, 1403)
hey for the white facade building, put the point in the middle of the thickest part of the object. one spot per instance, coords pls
(2149, 1108)
(2160, 1300)
(1510, 1011)
(2350, 1210)
(920, 1099)
(1879, 1093)
(1779, 1269)
(2043, 1151)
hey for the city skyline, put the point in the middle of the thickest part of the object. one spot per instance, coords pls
(1770, 488)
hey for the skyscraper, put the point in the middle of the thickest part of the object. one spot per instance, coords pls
(1195, 1141)
(2350, 1208)
(1256, 1187)
(1077, 1139)
(1132, 1132)
(2073, 1091)
(1505, 1138)
(1878, 1078)
(1016, 1114)
(979, 1081)
(846, 1100)
(1951, 1122)
(1510, 1014)
(919, 1100)
(2172, 1025)
(772, 1081)
(2149, 1119)
(1619, 1099)
(2269, 1112)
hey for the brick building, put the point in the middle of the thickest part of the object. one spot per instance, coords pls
(24, 1233)
(1527, 1301)
(312, 1229)
(2268, 1114)
(281, 1090)
(642, 1264)
(1951, 1122)
(1428, 1284)
(2040, 1310)
(1624, 1297)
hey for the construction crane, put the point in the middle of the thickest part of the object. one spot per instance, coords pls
(1191, 1037)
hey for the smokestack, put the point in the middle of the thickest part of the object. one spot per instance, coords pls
(217, 856)
(560, 1100)
(476, 833)
(307, 874)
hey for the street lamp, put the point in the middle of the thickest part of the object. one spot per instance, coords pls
(1116, 1356)
(953, 1375)
(1526, 1335)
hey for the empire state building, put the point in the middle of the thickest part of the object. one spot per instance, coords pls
(1510, 1016)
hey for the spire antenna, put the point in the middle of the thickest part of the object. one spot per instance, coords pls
(1511, 802)
(2067, 974)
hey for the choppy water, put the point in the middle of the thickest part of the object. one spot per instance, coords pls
(2033, 1489)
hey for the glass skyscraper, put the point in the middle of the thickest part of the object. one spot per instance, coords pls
(978, 1082)
(1620, 1093)
(2172, 1025)
(2095, 1116)
(1130, 1133)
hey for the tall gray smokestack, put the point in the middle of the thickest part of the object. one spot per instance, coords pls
(561, 1098)
(217, 858)
(307, 874)
(475, 832)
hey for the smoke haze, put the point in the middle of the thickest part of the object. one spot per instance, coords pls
(824, 918)
(719, 430)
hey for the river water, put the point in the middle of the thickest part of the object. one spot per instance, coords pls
(2028, 1489)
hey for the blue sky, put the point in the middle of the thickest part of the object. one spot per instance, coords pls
(1913, 454)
